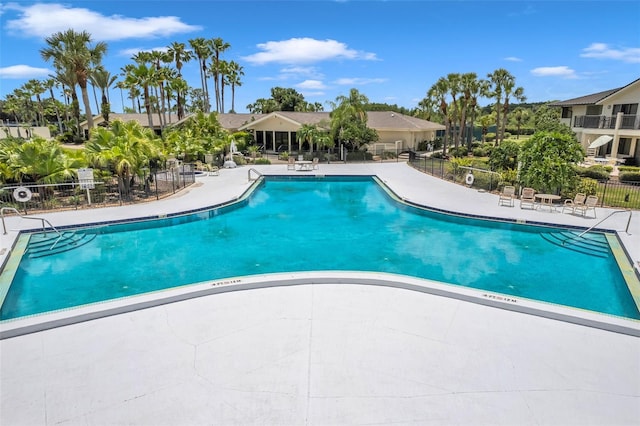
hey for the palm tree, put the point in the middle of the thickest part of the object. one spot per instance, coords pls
(179, 53)
(307, 133)
(124, 147)
(502, 87)
(438, 94)
(233, 79)
(103, 80)
(518, 94)
(67, 78)
(36, 88)
(520, 116)
(49, 84)
(121, 85)
(202, 50)
(70, 50)
(180, 87)
(144, 77)
(453, 84)
(218, 46)
(349, 119)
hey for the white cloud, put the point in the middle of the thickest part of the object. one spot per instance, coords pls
(311, 85)
(561, 71)
(23, 71)
(512, 59)
(304, 51)
(359, 81)
(604, 51)
(298, 71)
(128, 53)
(42, 20)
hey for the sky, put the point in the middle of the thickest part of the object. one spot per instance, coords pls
(391, 51)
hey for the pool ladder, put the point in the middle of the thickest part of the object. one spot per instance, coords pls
(569, 240)
(43, 220)
(256, 172)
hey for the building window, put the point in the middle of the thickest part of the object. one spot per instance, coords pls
(594, 109)
(627, 109)
(624, 146)
(567, 112)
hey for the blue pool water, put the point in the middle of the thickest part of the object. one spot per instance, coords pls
(320, 224)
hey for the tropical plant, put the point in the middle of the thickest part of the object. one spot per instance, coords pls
(547, 161)
(71, 51)
(125, 148)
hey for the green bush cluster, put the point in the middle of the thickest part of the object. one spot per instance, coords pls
(262, 161)
(629, 177)
(594, 172)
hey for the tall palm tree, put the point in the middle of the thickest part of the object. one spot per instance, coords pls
(502, 87)
(234, 70)
(121, 85)
(103, 79)
(218, 46)
(453, 85)
(179, 53)
(49, 84)
(67, 79)
(144, 77)
(202, 49)
(36, 88)
(438, 93)
(180, 87)
(518, 94)
(71, 50)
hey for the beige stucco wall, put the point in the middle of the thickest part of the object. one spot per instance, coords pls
(25, 132)
(628, 96)
(275, 124)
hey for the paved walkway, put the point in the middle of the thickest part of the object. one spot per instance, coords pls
(323, 354)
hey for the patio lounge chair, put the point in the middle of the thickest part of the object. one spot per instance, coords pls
(291, 165)
(507, 196)
(589, 204)
(314, 164)
(528, 198)
(578, 200)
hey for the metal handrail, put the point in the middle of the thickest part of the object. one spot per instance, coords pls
(611, 214)
(255, 171)
(43, 220)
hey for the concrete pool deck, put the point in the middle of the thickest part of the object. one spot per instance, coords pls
(323, 354)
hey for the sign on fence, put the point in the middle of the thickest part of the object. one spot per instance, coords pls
(85, 177)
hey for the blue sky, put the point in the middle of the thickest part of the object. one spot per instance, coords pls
(391, 51)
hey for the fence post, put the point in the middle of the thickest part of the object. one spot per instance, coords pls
(155, 182)
(604, 192)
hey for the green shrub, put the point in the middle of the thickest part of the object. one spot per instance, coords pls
(629, 177)
(480, 152)
(239, 160)
(490, 136)
(262, 161)
(629, 169)
(508, 177)
(594, 172)
(461, 151)
(586, 186)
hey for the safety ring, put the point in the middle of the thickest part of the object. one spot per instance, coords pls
(469, 178)
(22, 194)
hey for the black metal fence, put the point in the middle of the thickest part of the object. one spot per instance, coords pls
(611, 193)
(28, 198)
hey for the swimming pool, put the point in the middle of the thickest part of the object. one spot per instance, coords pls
(333, 224)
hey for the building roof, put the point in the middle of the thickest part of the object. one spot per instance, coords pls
(593, 98)
(379, 120)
